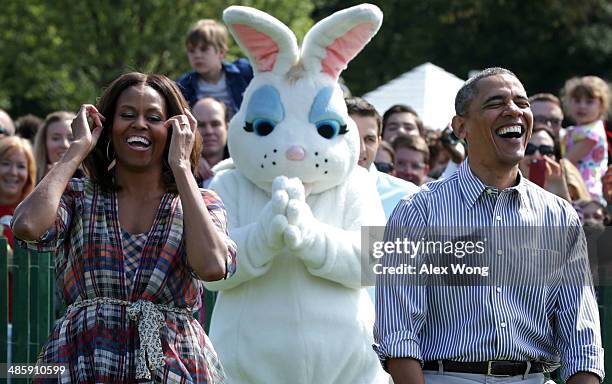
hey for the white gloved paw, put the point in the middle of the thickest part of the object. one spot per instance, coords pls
(292, 237)
(295, 189)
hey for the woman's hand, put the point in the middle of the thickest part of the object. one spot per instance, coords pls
(181, 141)
(37, 212)
(84, 137)
(553, 168)
(204, 169)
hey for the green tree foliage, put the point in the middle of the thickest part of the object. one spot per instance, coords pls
(59, 54)
(544, 42)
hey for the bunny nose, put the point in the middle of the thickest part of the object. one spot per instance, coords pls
(295, 153)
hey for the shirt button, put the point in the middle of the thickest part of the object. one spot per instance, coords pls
(498, 218)
(499, 251)
(498, 289)
(502, 324)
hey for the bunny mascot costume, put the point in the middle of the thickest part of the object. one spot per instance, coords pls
(294, 311)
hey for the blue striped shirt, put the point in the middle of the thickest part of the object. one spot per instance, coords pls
(554, 321)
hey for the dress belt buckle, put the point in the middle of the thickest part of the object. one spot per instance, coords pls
(489, 367)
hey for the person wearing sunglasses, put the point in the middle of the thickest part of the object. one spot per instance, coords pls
(385, 158)
(560, 176)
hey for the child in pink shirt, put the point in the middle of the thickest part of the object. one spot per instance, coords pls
(586, 99)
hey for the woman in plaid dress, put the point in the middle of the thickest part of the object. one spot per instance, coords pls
(133, 241)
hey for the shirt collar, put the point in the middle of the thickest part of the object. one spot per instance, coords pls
(471, 187)
(372, 168)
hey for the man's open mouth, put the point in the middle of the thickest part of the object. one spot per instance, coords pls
(510, 132)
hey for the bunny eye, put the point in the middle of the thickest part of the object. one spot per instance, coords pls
(261, 127)
(330, 128)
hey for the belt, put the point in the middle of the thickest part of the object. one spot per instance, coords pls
(150, 319)
(489, 368)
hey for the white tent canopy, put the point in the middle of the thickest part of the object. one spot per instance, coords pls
(429, 89)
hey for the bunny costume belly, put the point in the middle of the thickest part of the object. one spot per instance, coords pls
(286, 321)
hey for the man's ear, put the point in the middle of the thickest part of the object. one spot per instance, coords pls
(221, 53)
(459, 128)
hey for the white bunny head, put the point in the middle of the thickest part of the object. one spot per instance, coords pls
(293, 120)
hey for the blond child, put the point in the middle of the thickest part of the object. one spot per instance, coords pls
(586, 100)
(212, 76)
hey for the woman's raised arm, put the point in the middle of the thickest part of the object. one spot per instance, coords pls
(37, 212)
(206, 249)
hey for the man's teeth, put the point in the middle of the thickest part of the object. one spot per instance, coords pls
(512, 129)
(137, 139)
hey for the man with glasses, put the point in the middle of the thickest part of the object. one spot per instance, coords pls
(547, 111)
(7, 128)
(411, 159)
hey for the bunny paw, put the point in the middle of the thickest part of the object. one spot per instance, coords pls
(295, 189)
(292, 237)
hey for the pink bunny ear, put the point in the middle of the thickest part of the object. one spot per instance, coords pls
(262, 48)
(268, 43)
(337, 39)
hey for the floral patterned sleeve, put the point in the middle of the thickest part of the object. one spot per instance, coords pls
(217, 212)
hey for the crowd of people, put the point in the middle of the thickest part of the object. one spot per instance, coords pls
(571, 162)
(117, 180)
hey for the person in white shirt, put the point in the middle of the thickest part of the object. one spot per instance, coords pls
(368, 120)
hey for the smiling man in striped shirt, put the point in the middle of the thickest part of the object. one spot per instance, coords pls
(510, 329)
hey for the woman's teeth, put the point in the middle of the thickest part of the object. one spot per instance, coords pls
(138, 141)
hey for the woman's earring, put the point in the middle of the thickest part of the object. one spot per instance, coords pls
(113, 161)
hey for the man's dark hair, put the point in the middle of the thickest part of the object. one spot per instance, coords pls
(402, 108)
(360, 107)
(26, 126)
(469, 90)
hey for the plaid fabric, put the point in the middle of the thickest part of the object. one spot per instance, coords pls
(132, 246)
(100, 343)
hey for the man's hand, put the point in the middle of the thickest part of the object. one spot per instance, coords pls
(455, 149)
(583, 378)
(406, 371)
